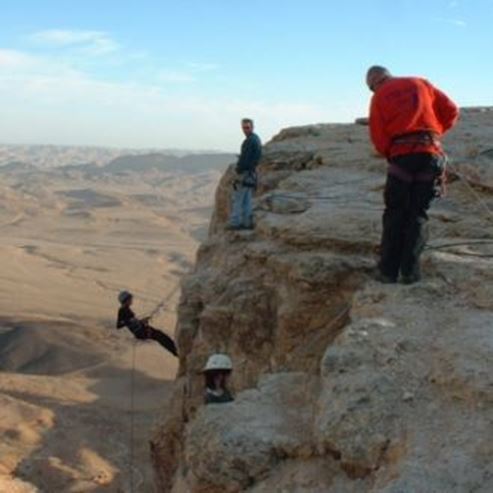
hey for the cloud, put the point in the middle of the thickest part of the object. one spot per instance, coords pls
(175, 76)
(91, 42)
(202, 67)
(48, 98)
(188, 73)
(14, 59)
(15, 63)
(47, 101)
(453, 22)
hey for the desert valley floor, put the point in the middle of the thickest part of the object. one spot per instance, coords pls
(70, 239)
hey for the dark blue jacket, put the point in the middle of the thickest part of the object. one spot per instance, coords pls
(251, 152)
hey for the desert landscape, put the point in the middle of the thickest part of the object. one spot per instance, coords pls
(78, 225)
(227, 163)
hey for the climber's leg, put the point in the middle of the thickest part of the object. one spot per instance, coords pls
(416, 232)
(248, 208)
(396, 198)
(163, 339)
(238, 199)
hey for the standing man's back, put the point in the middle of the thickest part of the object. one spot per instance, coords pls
(408, 116)
(407, 105)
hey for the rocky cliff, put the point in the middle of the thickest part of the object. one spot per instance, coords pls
(342, 384)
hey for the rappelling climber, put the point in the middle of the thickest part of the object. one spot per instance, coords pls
(140, 328)
(408, 116)
(245, 180)
(216, 373)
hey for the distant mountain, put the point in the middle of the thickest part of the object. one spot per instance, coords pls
(78, 167)
(17, 167)
(47, 157)
(87, 198)
(191, 163)
(126, 164)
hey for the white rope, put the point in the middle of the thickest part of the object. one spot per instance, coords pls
(473, 192)
(132, 424)
(131, 452)
(162, 304)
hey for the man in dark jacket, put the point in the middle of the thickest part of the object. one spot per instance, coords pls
(246, 179)
(408, 116)
(140, 328)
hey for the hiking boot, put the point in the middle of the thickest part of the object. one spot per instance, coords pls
(233, 227)
(412, 279)
(384, 279)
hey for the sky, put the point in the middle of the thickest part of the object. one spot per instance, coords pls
(182, 73)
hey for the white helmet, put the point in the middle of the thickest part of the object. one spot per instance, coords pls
(124, 296)
(219, 362)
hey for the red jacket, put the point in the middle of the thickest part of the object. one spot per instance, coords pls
(407, 105)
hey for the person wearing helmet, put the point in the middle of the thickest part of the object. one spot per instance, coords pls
(408, 117)
(216, 373)
(140, 328)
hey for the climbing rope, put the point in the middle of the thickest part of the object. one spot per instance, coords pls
(459, 243)
(131, 451)
(295, 195)
(299, 195)
(340, 315)
(162, 304)
(463, 243)
(132, 423)
(473, 192)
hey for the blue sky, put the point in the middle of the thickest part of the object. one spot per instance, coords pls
(182, 73)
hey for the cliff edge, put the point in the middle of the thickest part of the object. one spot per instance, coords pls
(343, 385)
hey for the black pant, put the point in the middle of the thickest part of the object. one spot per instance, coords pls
(149, 332)
(408, 195)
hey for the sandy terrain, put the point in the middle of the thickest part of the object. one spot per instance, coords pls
(69, 242)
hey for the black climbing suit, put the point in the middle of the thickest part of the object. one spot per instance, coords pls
(141, 330)
(409, 192)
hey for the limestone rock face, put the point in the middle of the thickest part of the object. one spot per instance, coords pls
(13, 485)
(342, 384)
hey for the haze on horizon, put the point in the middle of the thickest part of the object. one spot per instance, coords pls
(162, 74)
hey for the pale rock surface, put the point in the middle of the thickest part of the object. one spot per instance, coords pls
(11, 485)
(343, 385)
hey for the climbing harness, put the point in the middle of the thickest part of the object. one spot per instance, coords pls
(437, 174)
(247, 179)
(441, 177)
(416, 139)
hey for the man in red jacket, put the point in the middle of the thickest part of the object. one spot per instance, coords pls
(408, 116)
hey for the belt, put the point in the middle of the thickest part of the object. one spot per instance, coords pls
(417, 138)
